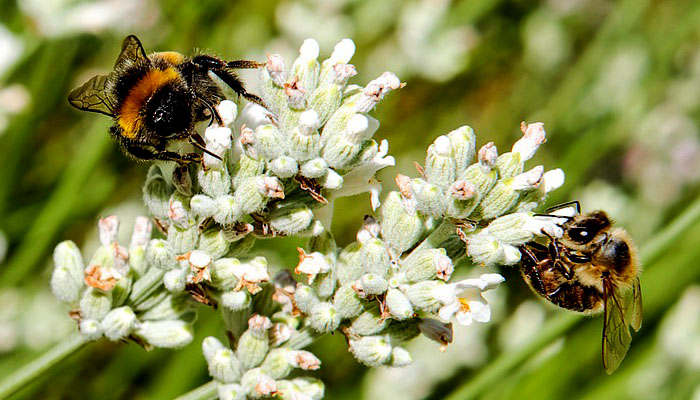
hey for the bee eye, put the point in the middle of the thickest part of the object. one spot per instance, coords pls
(580, 235)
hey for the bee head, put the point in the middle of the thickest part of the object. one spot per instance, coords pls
(169, 111)
(585, 228)
(617, 253)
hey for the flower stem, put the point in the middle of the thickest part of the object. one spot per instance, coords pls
(502, 365)
(204, 392)
(28, 373)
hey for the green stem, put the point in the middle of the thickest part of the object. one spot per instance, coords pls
(28, 373)
(503, 364)
(204, 392)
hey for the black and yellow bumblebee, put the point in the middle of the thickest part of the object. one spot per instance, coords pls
(156, 99)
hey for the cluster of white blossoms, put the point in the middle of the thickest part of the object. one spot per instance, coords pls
(275, 171)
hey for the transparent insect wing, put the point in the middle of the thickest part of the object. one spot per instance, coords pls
(92, 96)
(616, 333)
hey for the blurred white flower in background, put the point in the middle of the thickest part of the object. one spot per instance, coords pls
(61, 17)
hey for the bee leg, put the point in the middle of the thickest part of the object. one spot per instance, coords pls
(244, 64)
(237, 86)
(532, 272)
(197, 141)
(554, 292)
(215, 116)
(138, 151)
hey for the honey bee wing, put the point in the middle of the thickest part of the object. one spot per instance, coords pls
(132, 50)
(92, 96)
(633, 310)
(616, 333)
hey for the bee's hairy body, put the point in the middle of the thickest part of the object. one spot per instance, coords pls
(592, 268)
(158, 98)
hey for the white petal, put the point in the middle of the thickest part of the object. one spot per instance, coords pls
(481, 312)
(447, 311)
(464, 318)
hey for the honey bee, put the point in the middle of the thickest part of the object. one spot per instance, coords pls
(156, 99)
(592, 268)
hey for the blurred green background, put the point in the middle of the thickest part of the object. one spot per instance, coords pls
(617, 84)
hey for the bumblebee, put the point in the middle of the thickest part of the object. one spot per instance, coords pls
(592, 268)
(156, 99)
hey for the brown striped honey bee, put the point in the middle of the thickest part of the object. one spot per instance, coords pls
(156, 99)
(592, 268)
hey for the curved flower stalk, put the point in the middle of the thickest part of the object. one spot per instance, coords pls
(274, 172)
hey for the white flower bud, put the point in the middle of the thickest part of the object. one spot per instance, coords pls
(246, 168)
(370, 284)
(305, 141)
(95, 304)
(160, 255)
(305, 298)
(214, 182)
(254, 342)
(488, 154)
(278, 363)
(223, 364)
(368, 323)
(306, 68)
(400, 357)
(177, 212)
(339, 152)
(291, 218)
(203, 205)
(300, 389)
(227, 111)
(276, 70)
(108, 229)
(225, 210)
(398, 304)
(251, 273)
(486, 249)
(232, 391)
(284, 167)
(371, 351)
(175, 280)
(552, 180)
(440, 164)
(374, 257)
(430, 199)
(533, 136)
(182, 240)
(401, 227)
(429, 264)
(375, 91)
(169, 334)
(67, 276)
(311, 264)
(350, 266)
(118, 323)
(218, 141)
(224, 273)
(236, 300)
(269, 143)
(509, 165)
(315, 168)
(463, 141)
(424, 295)
(324, 317)
(347, 303)
(90, 328)
(332, 180)
(528, 180)
(257, 384)
(214, 243)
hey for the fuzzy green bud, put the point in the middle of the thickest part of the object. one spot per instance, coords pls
(350, 266)
(224, 273)
(175, 280)
(369, 323)
(254, 342)
(324, 317)
(284, 167)
(371, 351)
(214, 182)
(314, 168)
(160, 254)
(236, 300)
(372, 284)
(182, 240)
(398, 304)
(232, 391)
(401, 226)
(347, 303)
(118, 323)
(95, 304)
(440, 164)
(169, 334)
(90, 329)
(429, 264)
(67, 278)
(463, 141)
(246, 168)
(423, 295)
(269, 143)
(223, 364)
(375, 257)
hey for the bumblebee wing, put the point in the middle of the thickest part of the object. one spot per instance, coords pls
(616, 333)
(92, 96)
(633, 309)
(132, 50)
